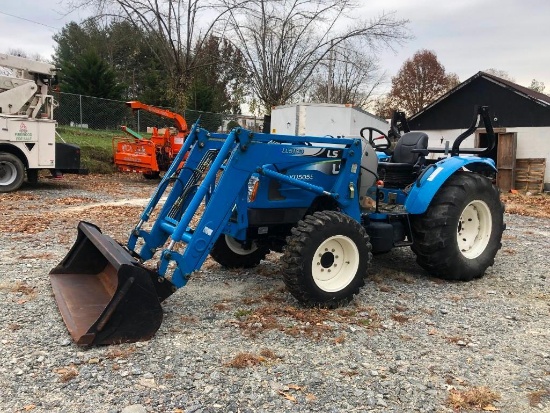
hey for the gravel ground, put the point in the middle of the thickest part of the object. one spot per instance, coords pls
(235, 341)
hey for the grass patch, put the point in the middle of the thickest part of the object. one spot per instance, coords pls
(96, 147)
(242, 313)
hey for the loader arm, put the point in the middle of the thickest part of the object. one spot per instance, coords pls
(216, 175)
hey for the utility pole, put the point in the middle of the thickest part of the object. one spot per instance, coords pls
(330, 73)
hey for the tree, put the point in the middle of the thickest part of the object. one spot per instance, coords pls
(537, 86)
(384, 107)
(174, 31)
(420, 81)
(348, 77)
(171, 29)
(124, 48)
(285, 41)
(232, 124)
(503, 74)
(90, 75)
(219, 84)
(130, 51)
(75, 38)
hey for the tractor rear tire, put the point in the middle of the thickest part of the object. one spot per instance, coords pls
(459, 235)
(326, 259)
(229, 253)
(12, 172)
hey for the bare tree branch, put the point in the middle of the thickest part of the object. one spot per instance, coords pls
(285, 41)
(175, 28)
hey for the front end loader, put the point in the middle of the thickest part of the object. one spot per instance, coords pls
(319, 200)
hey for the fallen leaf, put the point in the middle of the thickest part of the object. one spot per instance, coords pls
(310, 397)
(287, 396)
(294, 387)
(490, 408)
(29, 407)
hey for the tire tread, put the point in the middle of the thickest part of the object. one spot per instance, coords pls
(294, 263)
(434, 242)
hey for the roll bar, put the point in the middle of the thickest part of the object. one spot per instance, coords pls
(483, 113)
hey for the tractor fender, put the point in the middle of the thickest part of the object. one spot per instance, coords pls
(434, 176)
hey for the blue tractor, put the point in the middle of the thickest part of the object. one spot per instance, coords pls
(327, 204)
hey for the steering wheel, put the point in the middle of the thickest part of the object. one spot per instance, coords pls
(382, 146)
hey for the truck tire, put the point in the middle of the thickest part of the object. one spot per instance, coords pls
(151, 175)
(459, 235)
(326, 258)
(229, 253)
(12, 172)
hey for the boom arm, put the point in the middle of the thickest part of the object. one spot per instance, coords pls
(180, 121)
(27, 89)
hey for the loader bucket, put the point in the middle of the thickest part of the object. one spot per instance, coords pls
(104, 295)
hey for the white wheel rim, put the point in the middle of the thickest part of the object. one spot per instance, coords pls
(237, 247)
(335, 263)
(8, 173)
(474, 229)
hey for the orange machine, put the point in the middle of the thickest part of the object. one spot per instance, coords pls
(134, 153)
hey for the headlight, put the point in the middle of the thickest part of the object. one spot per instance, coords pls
(253, 185)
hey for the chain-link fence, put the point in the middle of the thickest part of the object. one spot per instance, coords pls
(105, 114)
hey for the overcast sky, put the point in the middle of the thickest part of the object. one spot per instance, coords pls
(466, 35)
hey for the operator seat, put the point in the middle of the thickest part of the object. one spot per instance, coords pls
(404, 165)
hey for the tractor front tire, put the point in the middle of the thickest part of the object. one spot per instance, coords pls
(230, 253)
(459, 235)
(325, 260)
(12, 172)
